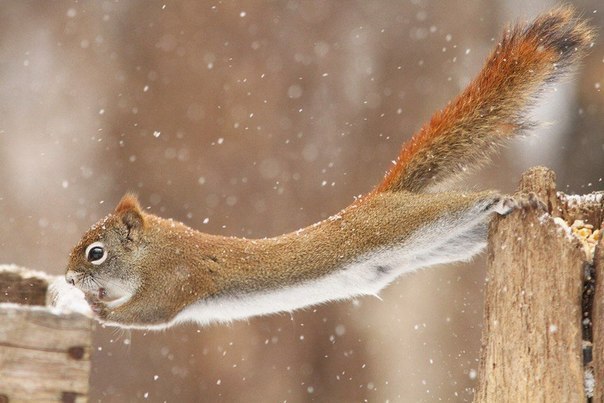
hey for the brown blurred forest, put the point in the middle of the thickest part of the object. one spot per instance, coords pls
(254, 118)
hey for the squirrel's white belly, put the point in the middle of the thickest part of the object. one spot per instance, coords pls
(367, 276)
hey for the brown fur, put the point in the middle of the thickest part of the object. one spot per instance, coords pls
(171, 266)
(493, 107)
(177, 265)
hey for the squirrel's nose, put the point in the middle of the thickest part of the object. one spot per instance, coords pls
(70, 277)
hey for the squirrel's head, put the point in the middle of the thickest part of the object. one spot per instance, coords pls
(99, 263)
(147, 266)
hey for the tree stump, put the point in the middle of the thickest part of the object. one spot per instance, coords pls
(44, 353)
(543, 329)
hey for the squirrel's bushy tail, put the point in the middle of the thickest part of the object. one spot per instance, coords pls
(493, 107)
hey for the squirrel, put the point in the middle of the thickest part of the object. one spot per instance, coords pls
(138, 270)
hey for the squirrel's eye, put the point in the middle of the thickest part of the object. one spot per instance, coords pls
(96, 253)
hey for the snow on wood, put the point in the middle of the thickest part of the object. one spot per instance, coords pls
(543, 307)
(44, 351)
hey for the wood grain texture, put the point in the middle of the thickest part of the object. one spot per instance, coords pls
(44, 354)
(18, 285)
(598, 322)
(532, 344)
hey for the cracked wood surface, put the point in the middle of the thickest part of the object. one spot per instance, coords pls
(44, 354)
(532, 343)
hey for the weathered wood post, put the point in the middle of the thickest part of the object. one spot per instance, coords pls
(44, 353)
(543, 330)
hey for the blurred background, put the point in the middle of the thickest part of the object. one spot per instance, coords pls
(252, 119)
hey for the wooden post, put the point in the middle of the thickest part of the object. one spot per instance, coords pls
(539, 326)
(44, 354)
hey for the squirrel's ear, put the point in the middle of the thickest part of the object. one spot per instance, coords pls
(129, 210)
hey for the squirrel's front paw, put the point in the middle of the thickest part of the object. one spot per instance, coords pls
(99, 308)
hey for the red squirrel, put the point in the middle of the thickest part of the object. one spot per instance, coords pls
(138, 270)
